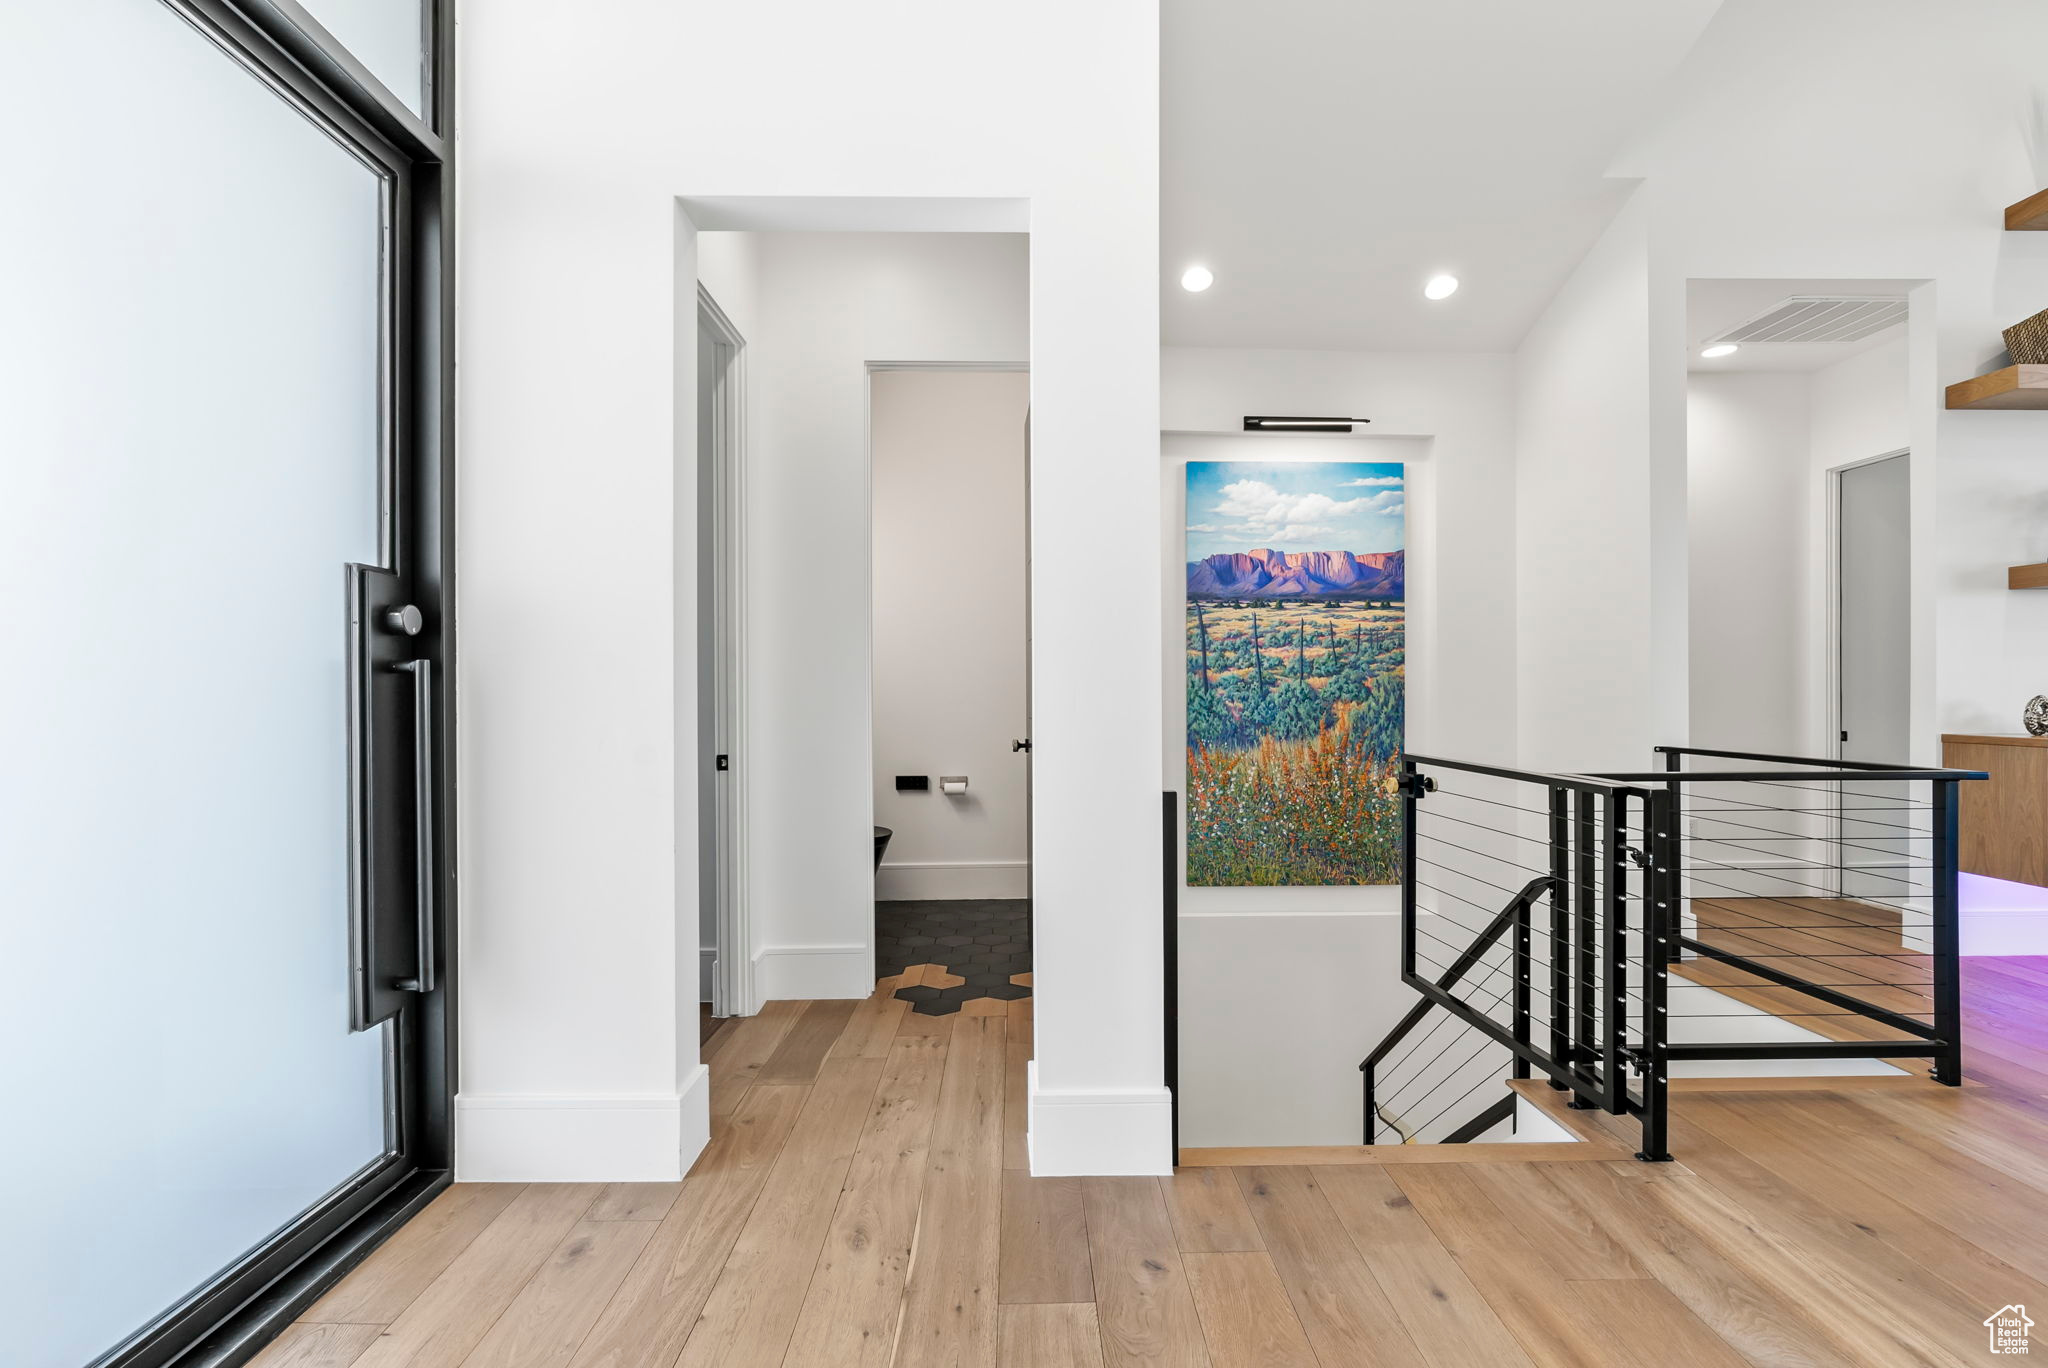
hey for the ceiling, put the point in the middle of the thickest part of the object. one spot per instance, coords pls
(1325, 157)
(1712, 307)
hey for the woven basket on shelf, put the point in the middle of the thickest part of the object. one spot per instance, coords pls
(2027, 340)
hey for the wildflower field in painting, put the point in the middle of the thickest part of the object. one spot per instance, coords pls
(1295, 672)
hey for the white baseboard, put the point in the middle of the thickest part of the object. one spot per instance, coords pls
(924, 880)
(1099, 1134)
(2004, 933)
(579, 1138)
(2000, 917)
(785, 972)
(693, 1117)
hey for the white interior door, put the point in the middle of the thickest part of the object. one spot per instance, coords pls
(1873, 576)
(726, 977)
(711, 789)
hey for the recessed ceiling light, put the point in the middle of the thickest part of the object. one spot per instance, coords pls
(1719, 349)
(1440, 287)
(1197, 279)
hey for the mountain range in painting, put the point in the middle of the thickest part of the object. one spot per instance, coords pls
(1269, 574)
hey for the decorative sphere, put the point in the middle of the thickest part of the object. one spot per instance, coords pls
(2037, 715)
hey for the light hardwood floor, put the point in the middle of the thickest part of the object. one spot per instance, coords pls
(864, 1202)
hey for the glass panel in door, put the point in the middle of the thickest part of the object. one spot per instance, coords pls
(386, 36)
(189, 444)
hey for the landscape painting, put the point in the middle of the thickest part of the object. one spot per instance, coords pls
(1295, 671)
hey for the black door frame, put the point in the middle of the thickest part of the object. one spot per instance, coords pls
(224, 1322)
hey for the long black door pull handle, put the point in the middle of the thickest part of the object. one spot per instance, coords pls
(422, 672)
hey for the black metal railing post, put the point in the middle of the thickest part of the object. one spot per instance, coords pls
(1584, 938)
(1662, 903)
(1411, 785)
(1411, 793)
(1524, 971)
(1674, 762)
(1560, 927)
(1614, 950)
(1947, 945)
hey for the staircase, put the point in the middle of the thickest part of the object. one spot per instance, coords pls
(1590, 942)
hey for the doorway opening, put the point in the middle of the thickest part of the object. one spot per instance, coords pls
(1792, 386)
(949, 501)
(1800, 596)
(806, 327)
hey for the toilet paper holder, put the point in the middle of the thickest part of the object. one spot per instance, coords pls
(953, 785)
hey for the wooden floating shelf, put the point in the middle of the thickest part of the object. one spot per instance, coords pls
(2026, 577)
(2015, 387)
(2030, 215)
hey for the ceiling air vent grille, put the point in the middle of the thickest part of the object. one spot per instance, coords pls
(1817, 318)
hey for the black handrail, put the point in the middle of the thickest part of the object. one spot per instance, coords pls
(1460, 966)
(1578, 783)
(1515, 914)
(1786, 776)
(1866, 771)
(1830, 762)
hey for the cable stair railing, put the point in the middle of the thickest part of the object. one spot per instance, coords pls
(1603, 931)
(1413, 1077)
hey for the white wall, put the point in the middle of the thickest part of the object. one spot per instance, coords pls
(1883, 139)
(1760, 447)
(1461, 619)
(581, 142)
(1284, 990)
(949, 629)
(1276, 1010)
(824, 305)
(1598, 682)
(1861, 407)
(1747, 507)
(1835, 138)
(1857, 409)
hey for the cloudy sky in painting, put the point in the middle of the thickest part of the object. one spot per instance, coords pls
(1355, 506)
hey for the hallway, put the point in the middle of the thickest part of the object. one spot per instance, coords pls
(865, 1201)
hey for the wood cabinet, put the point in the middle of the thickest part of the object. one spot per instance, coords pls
(2005, 820)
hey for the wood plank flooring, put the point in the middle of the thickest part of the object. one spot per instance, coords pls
(864, 1202)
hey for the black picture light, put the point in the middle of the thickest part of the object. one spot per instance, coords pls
(1272, 424)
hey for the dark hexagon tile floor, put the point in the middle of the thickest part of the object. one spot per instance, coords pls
(983, 941)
